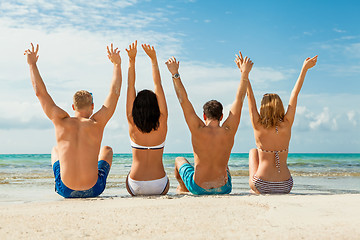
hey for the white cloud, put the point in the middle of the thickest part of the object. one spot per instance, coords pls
(324, 120)
(268, 74)
(353, 50)
(335, 117)
(352, 117)
(339, 30)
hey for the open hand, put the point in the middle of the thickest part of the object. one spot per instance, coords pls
(132, 50)
(245, 65)
(114, 55)
(32, 56)
(173, 65)
(150, 51)
(310, 62)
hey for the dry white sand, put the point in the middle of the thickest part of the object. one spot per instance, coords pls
(186, 217)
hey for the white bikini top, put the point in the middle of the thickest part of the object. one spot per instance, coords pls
(137, 146)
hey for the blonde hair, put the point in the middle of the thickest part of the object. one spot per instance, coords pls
(271, 111)
(82, 99)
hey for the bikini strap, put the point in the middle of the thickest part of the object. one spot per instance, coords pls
(277, 157)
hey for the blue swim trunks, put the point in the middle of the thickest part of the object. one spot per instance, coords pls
(187, 171)
(96, 190)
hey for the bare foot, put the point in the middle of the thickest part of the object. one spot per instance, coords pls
(180, 189)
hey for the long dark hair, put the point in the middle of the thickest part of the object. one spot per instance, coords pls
(146, 111)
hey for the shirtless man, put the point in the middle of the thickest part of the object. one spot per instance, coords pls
(211, 142)
(83, 170)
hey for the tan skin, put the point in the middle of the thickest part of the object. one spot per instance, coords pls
(147, 164)
(211, 142)
(263, 163)
(78, 138)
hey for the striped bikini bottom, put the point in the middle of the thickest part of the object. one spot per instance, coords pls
(266, 187)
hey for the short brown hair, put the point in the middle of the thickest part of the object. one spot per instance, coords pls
(213, 110)
(271, 111)
(82, 99)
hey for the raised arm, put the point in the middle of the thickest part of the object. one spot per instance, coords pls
(192, 120)
(290, 113)
(107, 110)
(253, 111)
(131, 93)
(254, 114)
(150, 51)
(233, 120)
(50, 108)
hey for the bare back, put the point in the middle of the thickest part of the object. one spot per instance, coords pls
(78, 138)
(78, 143)
(268, 141)
(148, 163)
(212, 147)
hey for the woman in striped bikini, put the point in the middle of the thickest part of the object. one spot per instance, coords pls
(147, 117)
(268, 171)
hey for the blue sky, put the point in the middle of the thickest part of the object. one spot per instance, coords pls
(204, 36)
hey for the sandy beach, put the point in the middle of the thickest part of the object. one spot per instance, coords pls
(243, 216)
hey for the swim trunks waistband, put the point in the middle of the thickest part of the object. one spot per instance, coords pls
(186, 173)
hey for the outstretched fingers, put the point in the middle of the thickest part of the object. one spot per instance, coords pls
(31, 55)
(241, 57)
(172, 60)
(108, 51)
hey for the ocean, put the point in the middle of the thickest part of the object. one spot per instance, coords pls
(29, 177)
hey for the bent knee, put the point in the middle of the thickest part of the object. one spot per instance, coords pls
(107, 149)
(179, 161)
(253, 151)
(106, 154)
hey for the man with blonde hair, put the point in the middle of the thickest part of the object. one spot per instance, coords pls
(80, 166)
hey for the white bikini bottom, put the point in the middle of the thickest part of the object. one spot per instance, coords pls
(152, 187)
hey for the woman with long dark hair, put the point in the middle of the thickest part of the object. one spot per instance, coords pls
(268, 171)
(147, 117)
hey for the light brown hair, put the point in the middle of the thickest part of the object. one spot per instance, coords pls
(271, 111)
(82, 99)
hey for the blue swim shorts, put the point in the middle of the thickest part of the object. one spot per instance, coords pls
(187, 171)
(96, 190)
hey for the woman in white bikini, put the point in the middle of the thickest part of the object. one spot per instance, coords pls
(147, 117)
(268, 171)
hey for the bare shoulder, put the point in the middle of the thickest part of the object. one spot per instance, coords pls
(226, 129)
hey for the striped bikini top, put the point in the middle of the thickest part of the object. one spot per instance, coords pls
(277, 158)
(276, 152)
(137, 146)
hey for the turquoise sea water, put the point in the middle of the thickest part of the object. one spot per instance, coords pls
(29, 177)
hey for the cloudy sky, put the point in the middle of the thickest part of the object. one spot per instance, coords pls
(204, 36)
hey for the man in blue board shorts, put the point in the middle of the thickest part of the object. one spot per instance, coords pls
(80, 166)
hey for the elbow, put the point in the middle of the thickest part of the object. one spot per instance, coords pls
(39, 93)
(116, 91)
